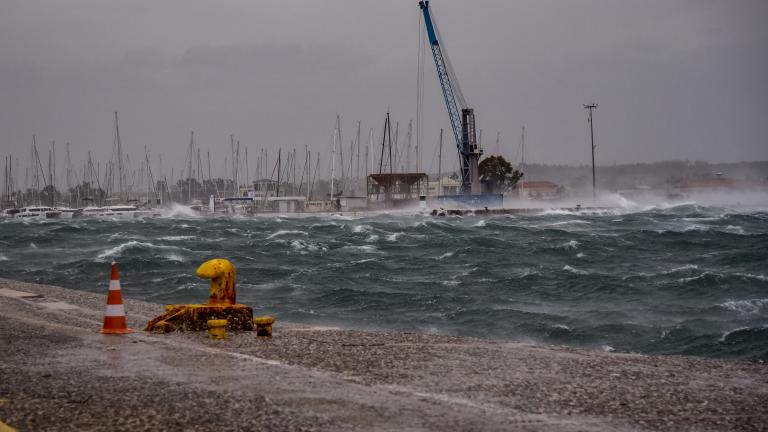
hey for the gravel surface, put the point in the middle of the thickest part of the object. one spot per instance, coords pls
(59, 373)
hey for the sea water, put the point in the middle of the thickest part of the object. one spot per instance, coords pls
(685, 279)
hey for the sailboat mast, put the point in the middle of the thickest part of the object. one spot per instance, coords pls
(341, 151)
(232, 154)
(357, 172)
(333, 162)
(279, 168)
(53, 168)
(189, 165)
(591, 107)
(121, 181)
(50, 176)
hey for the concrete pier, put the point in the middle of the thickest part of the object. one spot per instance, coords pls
(58, 373)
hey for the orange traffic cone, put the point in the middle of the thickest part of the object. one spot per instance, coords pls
(114, 313)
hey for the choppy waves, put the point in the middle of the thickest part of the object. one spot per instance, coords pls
(685, 279)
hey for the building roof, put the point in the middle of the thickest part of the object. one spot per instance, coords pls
(407, 178)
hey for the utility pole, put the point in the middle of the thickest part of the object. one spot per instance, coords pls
(592, 107)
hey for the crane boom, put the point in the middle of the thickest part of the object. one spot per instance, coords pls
(462, 117)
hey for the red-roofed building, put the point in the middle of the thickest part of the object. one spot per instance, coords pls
(538, 189)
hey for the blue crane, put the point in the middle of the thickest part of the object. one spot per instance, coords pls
(462, 117)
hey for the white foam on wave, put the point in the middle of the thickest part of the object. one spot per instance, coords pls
(393, 237)
(549, 212)
(4, 258)
(695, 227)
(581, 255)
(177, 210)
(701, 219)
(480, 223)
(527, 272)
(683, 268)
(33, 246)
(120, 249)
(174, 257)
(178, 238)
(305, 246)
(692, 278)
(753, 276)
(446, 255)
(465, 273)
(575, 270)
(568, 222)
(745, 307)
(363, 249)
(730, 332)
(372, 238)
(286, 232)
(342, 217)
(735, 229)
(573, 244)
(361, 228)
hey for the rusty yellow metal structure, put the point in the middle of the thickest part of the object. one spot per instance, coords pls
(221, 272)
(222, 304)
(264, 326)
(217, 328)
(5, 428)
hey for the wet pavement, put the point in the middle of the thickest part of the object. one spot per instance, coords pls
(58, 373)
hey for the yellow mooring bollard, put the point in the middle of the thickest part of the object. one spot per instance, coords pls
(217, 328)
(264, 326)
(222, 303)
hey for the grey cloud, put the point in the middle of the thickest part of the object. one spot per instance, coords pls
(682, 79)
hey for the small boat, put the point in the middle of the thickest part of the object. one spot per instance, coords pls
(69, 213)
(118, 212)
(37, 213)
(9, 213)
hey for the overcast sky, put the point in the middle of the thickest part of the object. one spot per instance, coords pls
(674, 79)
